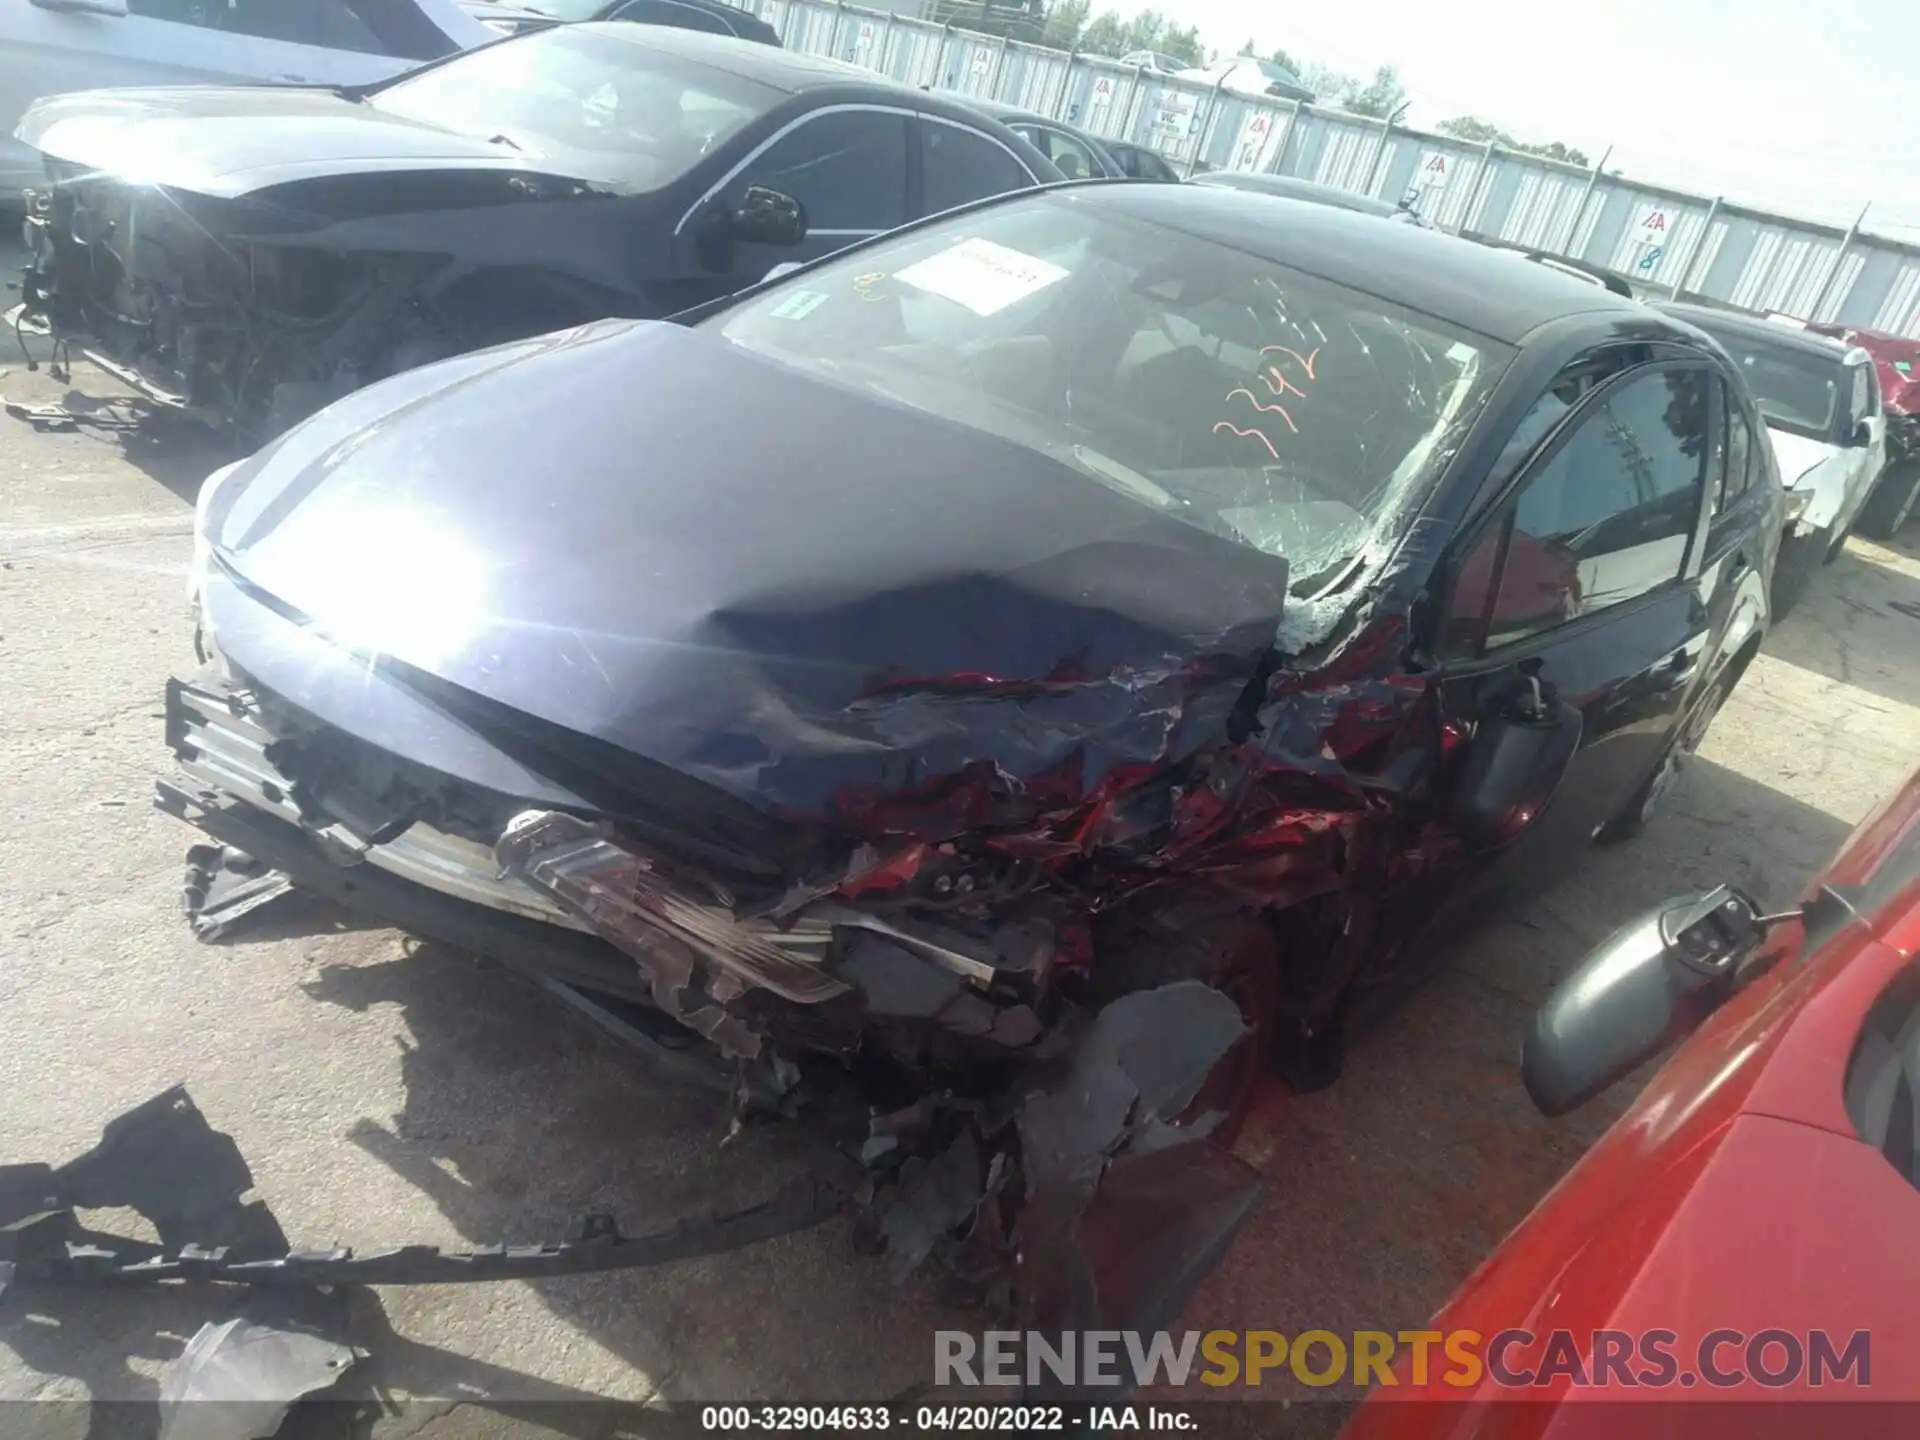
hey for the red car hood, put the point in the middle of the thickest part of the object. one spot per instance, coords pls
(1734, 1194)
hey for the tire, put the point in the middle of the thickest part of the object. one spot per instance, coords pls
(1891, 503)
(1634, 817)
(1799, 557)
(1835, 546)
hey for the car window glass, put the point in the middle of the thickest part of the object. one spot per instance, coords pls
(1155, 168)
(1266, 406)
(380, 27)
(1472, 590)
(958, 165)
(297, 21)
(847, 167)
(1863, 400)
(1739, 455)
(630, 116)
(1569, 387)
(1796, 390)
(340, 26)
(1142, 164)
(666, 12)
(291, 20)
(1882, 1086)
(1608, 516)
(205, 13)
(1074, 160)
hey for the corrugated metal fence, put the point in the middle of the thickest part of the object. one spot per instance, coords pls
(1666, 239)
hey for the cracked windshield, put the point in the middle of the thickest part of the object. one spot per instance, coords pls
(1237, 395)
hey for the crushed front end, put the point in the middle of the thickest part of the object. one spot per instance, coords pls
(925, 962)
(176, 295)
(989, 1108)
(996, 846)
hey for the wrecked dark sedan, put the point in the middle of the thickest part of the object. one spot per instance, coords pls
(1088, 595)
(252, 254)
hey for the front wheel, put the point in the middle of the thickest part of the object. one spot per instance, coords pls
(1891, 503)
(1645, 803)
(1793, 568)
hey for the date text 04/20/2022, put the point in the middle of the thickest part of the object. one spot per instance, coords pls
(1043, 1419)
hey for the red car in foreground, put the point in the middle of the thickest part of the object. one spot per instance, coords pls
(1748, 1234)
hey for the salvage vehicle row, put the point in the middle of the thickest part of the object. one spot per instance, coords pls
(250, 254)
(999, 636)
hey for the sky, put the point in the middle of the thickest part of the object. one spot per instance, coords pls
(1809, 107)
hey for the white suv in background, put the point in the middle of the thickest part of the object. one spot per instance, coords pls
(1820, 400)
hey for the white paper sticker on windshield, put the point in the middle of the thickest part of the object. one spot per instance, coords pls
(798, 305)
(983, 276)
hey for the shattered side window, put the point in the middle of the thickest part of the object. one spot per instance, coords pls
(1247, 399)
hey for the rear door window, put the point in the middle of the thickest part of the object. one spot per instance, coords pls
(1604, 518)
(958, 165)
(1142, 164)
(1074, 160)
(848, 167)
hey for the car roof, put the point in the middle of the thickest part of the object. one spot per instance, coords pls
(775, 68)
(1453, 280)
(1007, 114)
(1734, 322)
(1298, 189)
(1000, 110)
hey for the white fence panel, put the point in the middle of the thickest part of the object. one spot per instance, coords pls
(1190, 122)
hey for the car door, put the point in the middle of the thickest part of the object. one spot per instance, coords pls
(846, 163)
(1586, 578)
(1865, 413)
(1741, 533)
(959, 164)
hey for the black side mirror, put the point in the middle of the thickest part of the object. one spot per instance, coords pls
(1862, 435)
(767, 217)
(1517, 759)
(1644, 986)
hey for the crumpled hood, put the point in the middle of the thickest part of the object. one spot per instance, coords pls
(230, 141)
(1797, 455)
(643, 534)
(1834, 479)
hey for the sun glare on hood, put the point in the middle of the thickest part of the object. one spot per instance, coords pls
(418, 591)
